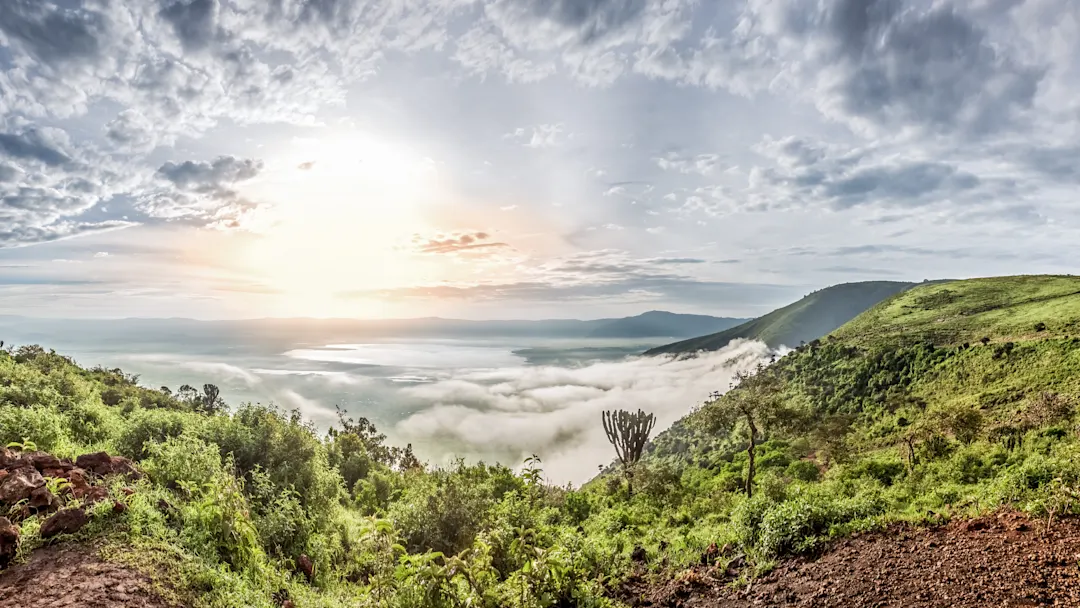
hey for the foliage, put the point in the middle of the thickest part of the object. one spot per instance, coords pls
(875, 424)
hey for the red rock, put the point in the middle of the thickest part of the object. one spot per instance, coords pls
(65, 521)
(42, 460)
(127, 491)
(19, 484)
(9, 541)
(119, 507)
(42, 500)
(95, 494)
(100, 463)
(307, 567)
(79, 486)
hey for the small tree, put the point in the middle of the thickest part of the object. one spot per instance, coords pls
(628, 432)
(210, 401)
(756, 399)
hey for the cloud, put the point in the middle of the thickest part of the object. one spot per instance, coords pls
(677, 261)
(877, 65)
(540, 136)
(46, 182)
(51, 34)
(508, 414)
(204, 177)
(809, 173)
(605, 275)
(455, 243)
(33, 145)
(701, 164)
(202, 191)
(194, 22)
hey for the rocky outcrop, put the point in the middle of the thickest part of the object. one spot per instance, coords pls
(101, 464)
(64, 521)
(38, 483)
(19, 483)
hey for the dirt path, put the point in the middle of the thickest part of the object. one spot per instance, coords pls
(74, 576)
(1001, 561)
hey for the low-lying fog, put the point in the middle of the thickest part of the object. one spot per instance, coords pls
(492, 399)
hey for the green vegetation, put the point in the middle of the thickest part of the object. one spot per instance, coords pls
(999, 308)
(808, 319)
(871, 425)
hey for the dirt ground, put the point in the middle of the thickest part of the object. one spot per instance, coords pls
(74, 576)
(1004, 560)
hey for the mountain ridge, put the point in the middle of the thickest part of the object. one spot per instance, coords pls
(806, 319)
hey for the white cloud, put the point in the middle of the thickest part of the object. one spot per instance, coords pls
(510, 413)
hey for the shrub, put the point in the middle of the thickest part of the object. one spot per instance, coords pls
(41, 425)
(881, 469)
(148, 427)
(804, 470)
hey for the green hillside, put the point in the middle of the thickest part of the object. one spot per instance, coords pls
(897, 416)
(1000, 308)
(808, 319)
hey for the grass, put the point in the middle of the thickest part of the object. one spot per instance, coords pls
(1000, 308)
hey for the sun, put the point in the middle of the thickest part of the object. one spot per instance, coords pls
(341, 209)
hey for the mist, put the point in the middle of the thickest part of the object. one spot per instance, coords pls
(508, 414)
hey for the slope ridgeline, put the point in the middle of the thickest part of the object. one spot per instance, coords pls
(808, 319)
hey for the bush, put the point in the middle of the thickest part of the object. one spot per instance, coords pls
(804, 470)
(183, 462)
(41, 425)
(146, 428)
(881, 469)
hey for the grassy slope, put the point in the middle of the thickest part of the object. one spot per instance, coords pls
(1001, 308)
(810, 318)
(881, 378)
(946, 315)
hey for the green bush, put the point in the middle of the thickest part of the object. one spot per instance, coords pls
(145, 428)
(803, 470)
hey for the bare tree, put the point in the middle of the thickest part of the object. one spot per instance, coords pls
(628, 432)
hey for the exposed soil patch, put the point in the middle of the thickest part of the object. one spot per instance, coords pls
(75, 576)
(1004, 560)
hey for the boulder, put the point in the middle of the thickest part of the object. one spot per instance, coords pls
(19, 484)
(42, 460)
(79, 485)
(100, 463)
(95, 494)
(9, 541)
(65, 521)
(43, 501)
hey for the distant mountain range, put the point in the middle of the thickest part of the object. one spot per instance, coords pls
(808, 319)
(654, 325)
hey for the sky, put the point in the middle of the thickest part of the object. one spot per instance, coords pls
(525, 158)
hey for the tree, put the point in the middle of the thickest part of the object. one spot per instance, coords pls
(187, 394)
(211, 401)
(757, 400)
(628, 432)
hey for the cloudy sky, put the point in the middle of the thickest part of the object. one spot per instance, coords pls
(525, 158)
